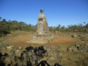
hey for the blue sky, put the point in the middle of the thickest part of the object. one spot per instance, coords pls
(63, 12)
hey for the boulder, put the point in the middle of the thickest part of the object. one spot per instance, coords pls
(18, 53)
(42, 31)
(56, 32)
(59, 55)
(20, 47)
(83, 38)
(74, 36)
(7, 60)
(80, 35)
(10, 47)
(80, 48)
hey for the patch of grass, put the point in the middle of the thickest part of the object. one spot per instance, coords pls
(10, 51)
(48, 40)
(75, 44)
(52, 39)
(57, 50)
(83, 44)
(1, 39)
(49, 56)
(82, 60)
(59, 46)
(70, 46)
(2, 45)
(77, 59)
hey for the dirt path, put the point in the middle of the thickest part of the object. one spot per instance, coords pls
(60, 39)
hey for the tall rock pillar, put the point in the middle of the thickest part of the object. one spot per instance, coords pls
(42, 25)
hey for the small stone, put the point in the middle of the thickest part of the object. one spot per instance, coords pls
(9, 47)
(20, 47)
(52, 58)
(86, 34)
(56, 32)
(74, 50)
(67, 49)
(7, 60)
(80, 35)
(51, 61)
(70, 49)
(74, 36)
(80, 48)
(86, 44)
(17, 51)
(59, 55)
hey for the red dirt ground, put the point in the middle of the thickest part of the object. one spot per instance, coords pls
(60, 39)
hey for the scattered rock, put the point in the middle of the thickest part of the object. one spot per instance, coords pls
(80, 48)
(17, 53)
(56, 32)
(74, 50)
(86, 34)
(53, 47)
(56, 64)
(51, 61)
(20, 47)
(80, 34)
(86, 44)
(74, 36)
(9, 47)
(70, 49)
(59, 55)
(7, 60)
(33, 54)
(83, 38)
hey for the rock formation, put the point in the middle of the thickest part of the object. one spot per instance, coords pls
(42, 33)
(42, 25)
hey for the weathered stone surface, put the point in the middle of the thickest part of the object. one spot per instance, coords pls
(9, 47)
(42, 25)
(42, 32)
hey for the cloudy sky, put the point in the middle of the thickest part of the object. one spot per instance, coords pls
(63, 12)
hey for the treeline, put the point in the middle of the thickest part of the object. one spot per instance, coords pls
(71, 28)
(8, 26)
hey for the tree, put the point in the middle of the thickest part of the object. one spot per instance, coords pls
(87, 25)
(59, 26)
(63, 28)
(0, 19)
(4, 27)
(21, 25)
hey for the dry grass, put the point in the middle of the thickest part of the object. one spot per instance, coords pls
(19, 38)
(72, 58)
(62, 40)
